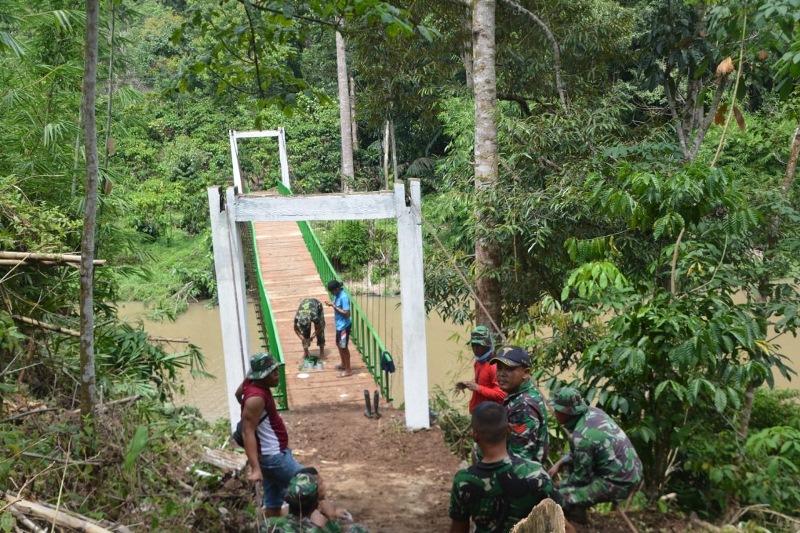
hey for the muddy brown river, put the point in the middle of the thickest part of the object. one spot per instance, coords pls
(449, 359)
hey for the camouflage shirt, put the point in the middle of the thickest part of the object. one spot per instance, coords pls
(498, 495)
(527, 416)
(600, 449)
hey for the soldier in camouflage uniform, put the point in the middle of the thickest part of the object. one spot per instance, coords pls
(310, 311)
(308, 511)
(527, 411)
(501, 489)
(604, 463)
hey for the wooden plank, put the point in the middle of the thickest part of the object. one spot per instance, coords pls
(365, 206)
(289, 276)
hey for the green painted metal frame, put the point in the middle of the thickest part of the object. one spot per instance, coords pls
(273, 343)
(364, 335)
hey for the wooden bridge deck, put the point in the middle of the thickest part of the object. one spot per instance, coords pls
(289, 276)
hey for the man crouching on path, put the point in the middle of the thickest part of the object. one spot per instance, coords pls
(501, 489)
(266, 441)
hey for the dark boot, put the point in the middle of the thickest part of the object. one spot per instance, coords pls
(377, 399)
(577, 514)
(368, 412)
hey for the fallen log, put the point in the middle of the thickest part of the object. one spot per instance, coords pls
(58, 517)
(225, 460)
(22, 519)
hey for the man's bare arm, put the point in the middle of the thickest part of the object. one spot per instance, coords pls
(251, 414)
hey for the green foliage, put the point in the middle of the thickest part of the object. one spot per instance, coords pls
(132, 477)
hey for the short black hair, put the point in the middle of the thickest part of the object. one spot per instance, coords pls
(490, 422)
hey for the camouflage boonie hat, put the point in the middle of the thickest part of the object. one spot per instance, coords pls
(261, 365)
(303, 490)
(481, 335)
(304, 320)
(569, 401)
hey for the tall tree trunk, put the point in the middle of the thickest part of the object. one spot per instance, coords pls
(791, 166)
(87, 379)
(353, 121)
(344, 114)
(487, 251)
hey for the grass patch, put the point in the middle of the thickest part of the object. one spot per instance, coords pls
(172, 275)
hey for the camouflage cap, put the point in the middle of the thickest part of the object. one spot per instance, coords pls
(482, 336)
(512, 356)
(303, 490)
(261, 365)
(569, 401)
(304, 320)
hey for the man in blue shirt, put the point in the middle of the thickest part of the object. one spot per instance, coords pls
(341, 317)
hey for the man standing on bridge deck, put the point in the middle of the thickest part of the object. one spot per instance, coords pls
(341, 317)
(310, 312)
(605, 466)
(266, 441)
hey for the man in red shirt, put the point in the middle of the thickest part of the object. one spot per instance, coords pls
(485, 387)
(266, 442)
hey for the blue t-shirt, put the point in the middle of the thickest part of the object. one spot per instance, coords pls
(342, 301)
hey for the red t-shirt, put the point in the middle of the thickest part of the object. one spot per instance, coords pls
(271, 434)
(488, 389)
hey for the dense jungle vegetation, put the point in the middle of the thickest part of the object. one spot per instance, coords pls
(644, 217)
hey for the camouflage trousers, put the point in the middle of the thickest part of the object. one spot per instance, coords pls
(599, 490)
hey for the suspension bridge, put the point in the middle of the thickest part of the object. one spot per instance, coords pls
(266, 251)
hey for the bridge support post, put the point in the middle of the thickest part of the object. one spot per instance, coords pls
(231, 292)
(412, 298)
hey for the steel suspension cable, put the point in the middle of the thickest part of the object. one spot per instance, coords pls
(467, 284)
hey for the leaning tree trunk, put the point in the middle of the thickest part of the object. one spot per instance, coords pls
(487, 250)
(87, 380)
(345, 124)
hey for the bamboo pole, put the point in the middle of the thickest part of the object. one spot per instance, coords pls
(45, 325)
(34, 256)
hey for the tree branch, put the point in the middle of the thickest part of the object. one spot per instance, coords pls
(556, 51)
(261, 7)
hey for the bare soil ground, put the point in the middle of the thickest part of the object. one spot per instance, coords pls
(396, 481)
(390, 479)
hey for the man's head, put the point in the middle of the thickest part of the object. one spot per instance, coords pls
(304, 324)
(481, 340)
(489, 423)
(304, 492)
(334, 286)
(568, 402)
(263, 366)
(513, 367)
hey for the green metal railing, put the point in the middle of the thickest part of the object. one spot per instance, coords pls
(273, 343)
(364, 335)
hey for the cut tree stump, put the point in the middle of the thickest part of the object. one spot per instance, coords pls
(546, 517)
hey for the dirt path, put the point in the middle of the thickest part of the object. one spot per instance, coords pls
(390, 479)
